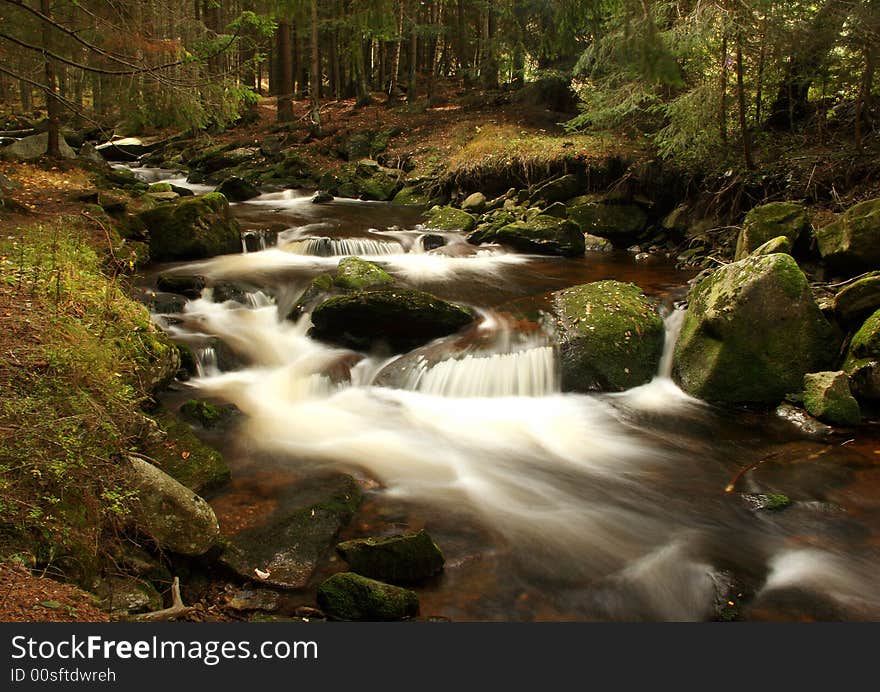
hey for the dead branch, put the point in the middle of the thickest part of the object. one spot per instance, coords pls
(177, 609)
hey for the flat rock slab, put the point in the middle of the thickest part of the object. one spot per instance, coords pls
(284, 550)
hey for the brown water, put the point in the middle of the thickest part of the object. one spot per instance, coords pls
(548, 506)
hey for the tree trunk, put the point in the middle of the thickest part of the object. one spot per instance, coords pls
(27, 102)
(863, 102)
(395, 57)
(741, 98)
(759, 86)
(53, 105)
(411, 91)
(315, 77)
(722, 109)
(285, 73)
(488, 61)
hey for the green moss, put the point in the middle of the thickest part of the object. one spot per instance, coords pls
(773, 246)
(607, 218)
(776, 501)
(611, 336)
(544, 235)
(159, 187)
(852, 242)
(866, 341)
(411, 196)
(768, 221)
(349, 596)
(827, 396)
(317, 290)
(450, 219)
(354, 273)
(192, 228)
(204, 413)
(404, 558)
(858, 300)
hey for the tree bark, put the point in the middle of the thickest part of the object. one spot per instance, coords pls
(53, 105)
(741, 97)
(315, 77)
(285, 73)
(722, 109)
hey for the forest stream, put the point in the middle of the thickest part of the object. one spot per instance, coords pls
(547, 505)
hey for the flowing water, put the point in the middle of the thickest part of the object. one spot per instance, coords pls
(548, 505)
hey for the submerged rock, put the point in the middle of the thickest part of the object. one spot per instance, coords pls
(827, 396)
(542, 234)
(192, 228)
(768, 221)
(406, 558)
(852, 243)
(189, 285)
(287, 545)
(399, 318)
(450, 219)
(349, 596)
(237, 189)
(751, 332)
(172, 514)
(322, 197)
(803, 421)
(354, 273)
(610, 336)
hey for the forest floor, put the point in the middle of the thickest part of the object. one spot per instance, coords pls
(467, 135)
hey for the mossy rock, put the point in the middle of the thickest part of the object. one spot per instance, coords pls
(406, 558)
(450, 219)
(221, 157)
(411, 196)
(862, 362)
(171, 514)
(121, 595)
(376, 183)
(543, 235)
(205, 414)
(318, 290)
(558, 190)
(751, 332)
(187, 459)
(773, 246)
(610, 336)
(290, 543)
(768, 221)
(827, 396)
(594, 243)
(851, 244)
(160, 187)
(355, 274)
(237, 189)
(192, 228)
(189, 285)
(474, 204)
(489, 225)
(858, 300)
(349, 596)
(596, 215)
(398, 318)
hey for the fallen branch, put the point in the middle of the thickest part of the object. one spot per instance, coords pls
(177, 609)
(745, 469)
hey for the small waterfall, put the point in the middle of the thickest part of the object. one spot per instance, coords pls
(255, 240)
(672, 324)
(525, 373)
(206, 362)
(344, 247)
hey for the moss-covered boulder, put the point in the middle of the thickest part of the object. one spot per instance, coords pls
(474, 204)
(221, 157)
(405, 558)
(183, 456)
(773, 246)
(411, 196)
(827, 396)
(865, 343)
(398, 318)
(237, 189)
(189, 285)
(858, 300)
(489, 225)
(852, 243)
(289, 543)
(171, 514)
(376, 183)
(751, 332)
(349, 596)
(122, 595)
(192, 228)
(318, 290)
(205, 414)
(769, 221)
(594, 243)
(355, 274)
(558, 190)
(618, 221)
(862, 362)
(160, 187)
(610, 336)
(450, 219)
(543, 235)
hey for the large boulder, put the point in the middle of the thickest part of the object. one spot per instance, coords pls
(237, 189)
(35, 146)
(620, 222)
(857, 300)
(450, 219)
(475, 203)
(376, 183)
(349, 596)
(769, 221)
(399, 318)
(170, 513)
(827, 396)
(411, 196)
(405, 558)
(751, 332)
(862, 362)
(852, 243)
(192, 228)
(356, 274)
(558, 190)
(284, 548)
(610, 336)
(773, 246)
(543, 235)
(122, 596)
(221, 157)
